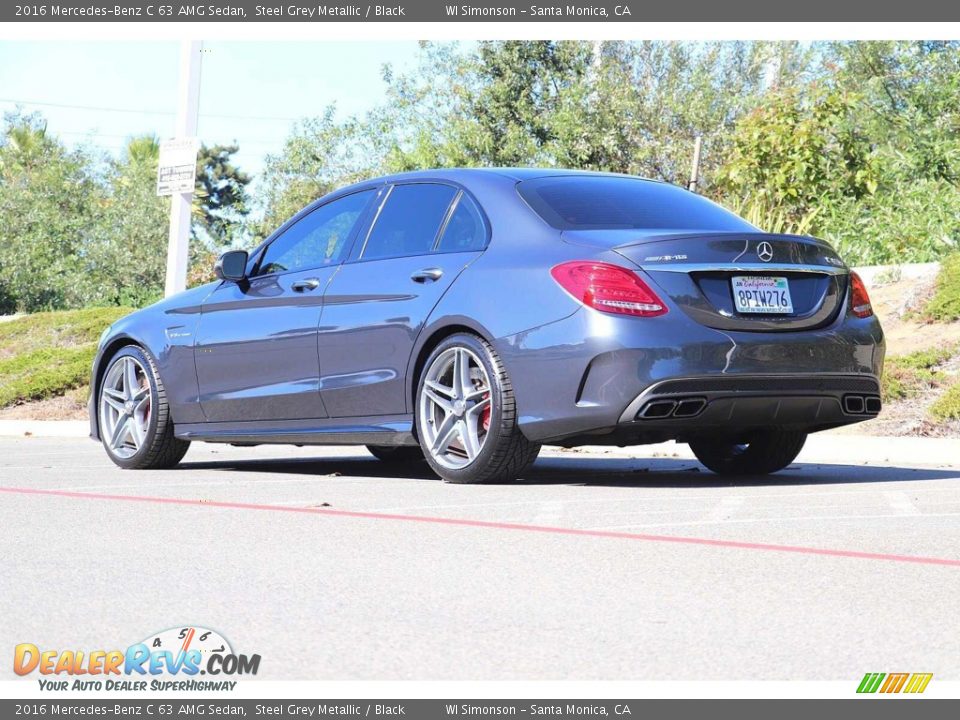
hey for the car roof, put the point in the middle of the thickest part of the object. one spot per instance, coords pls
(517, 174)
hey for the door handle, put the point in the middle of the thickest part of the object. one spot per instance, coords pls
(308, 284)
(427, 274)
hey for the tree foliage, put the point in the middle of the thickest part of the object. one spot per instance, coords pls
(856, 142)
(222, 194)
(126, 248)
(48, 199)
(79, 229)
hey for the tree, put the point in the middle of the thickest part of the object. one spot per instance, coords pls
(798, 147)
(625, 107)
(48, 196)
(127, 248)
(320, 155)
(864, 155)
(222, 192)
(909, 98)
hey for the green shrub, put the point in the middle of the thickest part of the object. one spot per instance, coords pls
(944, 306)
(906, 222)
(906, 376)
(45, 354)
(947, 406)
(44, 373)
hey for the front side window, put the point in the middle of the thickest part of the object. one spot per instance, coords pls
(465, 230)
(408, 221)
(318, 239)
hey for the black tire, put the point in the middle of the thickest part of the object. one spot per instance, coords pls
(506, 453)
(762, 453)
(396, 454)
(160, 448)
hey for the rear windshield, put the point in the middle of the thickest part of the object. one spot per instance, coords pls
(610, 203)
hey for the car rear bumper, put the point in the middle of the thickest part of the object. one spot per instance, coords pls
(696, 406)
(593, 374)
(756, 399)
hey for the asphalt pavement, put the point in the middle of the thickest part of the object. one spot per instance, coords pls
(598, 564)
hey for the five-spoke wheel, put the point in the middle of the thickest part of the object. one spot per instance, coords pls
(134, 419)
(125, 407)
(466, 414)
(455, 407)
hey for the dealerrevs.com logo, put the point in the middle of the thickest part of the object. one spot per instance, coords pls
(174, 659)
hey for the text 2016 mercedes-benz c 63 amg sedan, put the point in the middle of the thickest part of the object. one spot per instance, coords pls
(470, 316)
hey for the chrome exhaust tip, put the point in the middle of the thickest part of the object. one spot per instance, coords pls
(853, 404)
(657, 409)
(678, 408)
(689, 407)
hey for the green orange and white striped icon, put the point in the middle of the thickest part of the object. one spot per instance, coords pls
(894, 682)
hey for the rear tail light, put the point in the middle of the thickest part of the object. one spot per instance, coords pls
(609, 288)
(859, 299)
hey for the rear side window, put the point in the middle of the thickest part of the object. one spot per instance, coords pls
(317, 239)
(611, 203)
(465, 230)
(408, 221)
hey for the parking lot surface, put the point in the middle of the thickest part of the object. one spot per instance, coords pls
(598, 564)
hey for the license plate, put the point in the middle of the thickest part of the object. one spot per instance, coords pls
(762, 295)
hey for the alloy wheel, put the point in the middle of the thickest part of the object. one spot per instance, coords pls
(125, 407)
(455, 408)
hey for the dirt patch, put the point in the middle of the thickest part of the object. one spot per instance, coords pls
(896, 303)
(72, 406)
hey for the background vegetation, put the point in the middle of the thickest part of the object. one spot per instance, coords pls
(858, 143)
(46, 354)
(78, 229)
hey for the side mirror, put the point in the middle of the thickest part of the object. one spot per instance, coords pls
(231, 265)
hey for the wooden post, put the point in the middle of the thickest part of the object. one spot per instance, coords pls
(695, 170)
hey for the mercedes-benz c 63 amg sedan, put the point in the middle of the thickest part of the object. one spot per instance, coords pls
(470, 316)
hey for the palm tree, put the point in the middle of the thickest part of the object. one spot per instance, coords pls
(25, 142)
(143, 150)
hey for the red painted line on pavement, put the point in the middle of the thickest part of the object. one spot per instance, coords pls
(464, 522)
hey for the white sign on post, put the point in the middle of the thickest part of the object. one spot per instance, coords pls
(177, 173)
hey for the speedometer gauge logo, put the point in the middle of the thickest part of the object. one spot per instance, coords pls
(182, 640)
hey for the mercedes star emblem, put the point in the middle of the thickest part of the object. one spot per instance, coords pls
(765, 251)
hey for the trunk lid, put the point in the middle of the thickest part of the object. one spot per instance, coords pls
(697, 270)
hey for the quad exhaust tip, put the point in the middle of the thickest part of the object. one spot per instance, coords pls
(679, 408)
(862, 404)
(688, 407)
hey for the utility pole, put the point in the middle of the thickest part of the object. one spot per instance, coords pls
(187, 111)
(695, 169)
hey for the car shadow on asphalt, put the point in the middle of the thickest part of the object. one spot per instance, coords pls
(683, 473)
(615, 472)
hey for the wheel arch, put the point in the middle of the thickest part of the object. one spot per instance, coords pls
(429, 339)
(106, 354)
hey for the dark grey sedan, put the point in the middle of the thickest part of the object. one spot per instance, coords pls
(470, 316)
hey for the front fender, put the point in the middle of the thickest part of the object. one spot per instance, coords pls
(166, 331)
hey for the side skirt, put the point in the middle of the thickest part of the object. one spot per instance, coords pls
(391, 430)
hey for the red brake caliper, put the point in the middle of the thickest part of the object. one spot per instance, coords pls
(485, 415)
(146, 405)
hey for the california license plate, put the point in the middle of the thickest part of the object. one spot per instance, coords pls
(756, 294)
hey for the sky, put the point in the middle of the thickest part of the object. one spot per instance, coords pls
(101, 93)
